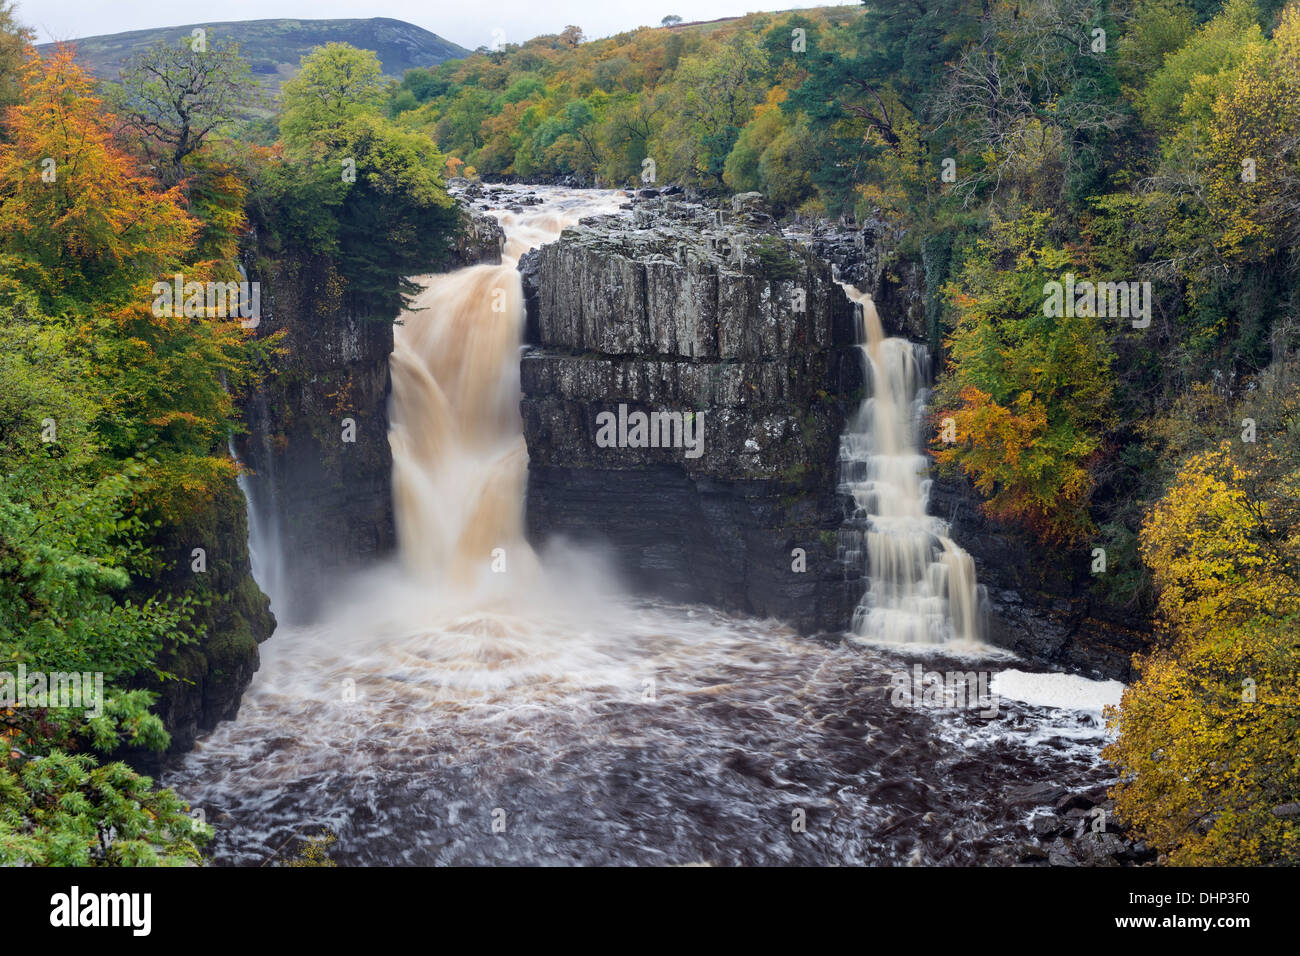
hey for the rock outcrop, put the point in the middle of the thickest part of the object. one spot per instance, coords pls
(231, 618)
(479, 239)
(317, 440)
(687, 307)
(712, 315)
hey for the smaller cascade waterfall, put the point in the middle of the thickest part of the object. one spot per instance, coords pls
(264, 551)
(922, 585)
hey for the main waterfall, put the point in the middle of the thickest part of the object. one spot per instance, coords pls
(459, 460)
(923, 587)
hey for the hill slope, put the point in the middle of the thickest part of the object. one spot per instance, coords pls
(274, 47)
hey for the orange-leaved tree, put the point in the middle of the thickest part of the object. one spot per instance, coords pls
(76, 222)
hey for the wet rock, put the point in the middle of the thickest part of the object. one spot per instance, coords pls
(1074, 801)
(1040, 603)
(1031, 853)
(1098, 849)
(1038, 794)
(1046, 825)
(328, 502)
(1060, 854)
(231, 617)
(479, 239)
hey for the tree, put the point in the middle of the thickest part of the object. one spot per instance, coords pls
(13, 39)
(1030, 393)
(335, 83)
(671, 20)
(773, 154)
(713, 96)
(1185, 87)
(89, 228)
(175, 97)
(1206, 744)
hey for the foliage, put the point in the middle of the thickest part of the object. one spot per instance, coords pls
(1030, 393)
(1207, 735)
(13, 38)
(314, 851)
(336, 84)
(97, 227)
(64, 810)
(113, 421)
(174, 97)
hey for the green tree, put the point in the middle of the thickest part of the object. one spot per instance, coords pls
(336, 83)
(1030, 393)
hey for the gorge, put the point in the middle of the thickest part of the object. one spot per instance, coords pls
(545, 648)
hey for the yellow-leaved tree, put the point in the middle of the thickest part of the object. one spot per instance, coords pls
(1208, 736)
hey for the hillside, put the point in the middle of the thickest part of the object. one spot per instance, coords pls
(274, 47)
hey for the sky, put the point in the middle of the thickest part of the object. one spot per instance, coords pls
(469, 23)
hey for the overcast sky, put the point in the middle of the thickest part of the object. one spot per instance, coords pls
(466, 22)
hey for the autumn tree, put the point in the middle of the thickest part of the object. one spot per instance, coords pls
(13, 39)
(1207, 734)
(76, 221)
(1029, 392)
(714, 96)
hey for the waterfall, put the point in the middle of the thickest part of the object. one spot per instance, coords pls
(459, 458)
(922, 585)
(427, 703)
(264, 550)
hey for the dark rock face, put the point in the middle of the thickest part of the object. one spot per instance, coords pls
(695, 311)
(1039, 604)
(215, 669)
(861, 257)
(318, 435)
(664, 313)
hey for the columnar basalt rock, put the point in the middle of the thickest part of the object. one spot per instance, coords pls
(707, 313)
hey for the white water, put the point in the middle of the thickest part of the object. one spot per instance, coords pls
(264, 552)
(922, 585)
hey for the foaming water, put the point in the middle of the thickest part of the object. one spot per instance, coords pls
(922, 584)
(446, 712)
(600, 731)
